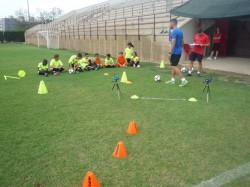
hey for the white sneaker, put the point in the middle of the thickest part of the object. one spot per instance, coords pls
(138, 66)
(134, 65)
(209, 58)
(170, 82)
(215, 58)
(184, 83)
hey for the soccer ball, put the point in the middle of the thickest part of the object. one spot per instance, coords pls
(183, 69)
(157, 78)
(71, 71)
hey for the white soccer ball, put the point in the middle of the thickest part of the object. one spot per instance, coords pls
(71, 71)
(157, 78)
(183, 69)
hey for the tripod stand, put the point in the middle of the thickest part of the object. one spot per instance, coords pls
(208, 91)
(117, 87)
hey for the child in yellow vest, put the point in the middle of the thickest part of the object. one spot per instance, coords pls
(129, 52)
(135, 60)
(56, 65)
(43, 68)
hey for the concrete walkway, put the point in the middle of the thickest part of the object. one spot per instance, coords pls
(227, 64)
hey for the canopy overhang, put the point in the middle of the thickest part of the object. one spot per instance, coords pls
(211, 9)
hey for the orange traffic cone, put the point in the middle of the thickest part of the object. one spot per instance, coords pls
(120, 151)
(90, 180)
(132, 128)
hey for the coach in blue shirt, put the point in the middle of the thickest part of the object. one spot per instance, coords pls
(174, 55)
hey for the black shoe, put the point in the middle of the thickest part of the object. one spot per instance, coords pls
(198, 75)
(189, 74)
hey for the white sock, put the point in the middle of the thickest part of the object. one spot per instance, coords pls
(183, 79)
(190, 72)
(173, 79)
(198, 72)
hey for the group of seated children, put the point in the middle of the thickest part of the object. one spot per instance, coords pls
(79, 63)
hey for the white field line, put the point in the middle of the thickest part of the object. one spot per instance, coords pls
(227, 176)
(166, 99)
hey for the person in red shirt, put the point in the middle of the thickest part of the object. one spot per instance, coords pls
(201, 41)
(121, 60)
(216, 46)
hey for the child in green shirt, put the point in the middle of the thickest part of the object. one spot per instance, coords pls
(43, 68)
(128, 53)
(135, 60)
(73, 61)
(56, 65)
(109, 62)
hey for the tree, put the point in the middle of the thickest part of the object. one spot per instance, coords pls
(22, 14)
(23, 22)
(55, 13)
(48, 16)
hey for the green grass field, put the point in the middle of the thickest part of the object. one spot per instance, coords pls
(55, 139)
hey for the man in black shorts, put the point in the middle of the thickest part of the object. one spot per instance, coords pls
(201, 40)
(175, 52)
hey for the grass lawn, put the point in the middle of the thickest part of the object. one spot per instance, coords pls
(55, 139)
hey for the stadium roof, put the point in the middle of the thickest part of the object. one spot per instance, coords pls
(213, 9)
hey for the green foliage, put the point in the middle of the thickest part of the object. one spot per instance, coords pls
(55, 139)
(12, 36)
(1, 37)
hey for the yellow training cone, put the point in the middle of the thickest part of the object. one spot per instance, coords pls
(134, 97)
(192, 99)
(162, 64)
(42, 88)
(124, 77)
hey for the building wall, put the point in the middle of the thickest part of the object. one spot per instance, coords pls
(8, 24)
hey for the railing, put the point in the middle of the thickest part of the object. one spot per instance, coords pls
(150, 23)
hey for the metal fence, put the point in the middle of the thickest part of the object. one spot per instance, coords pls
(141, 19)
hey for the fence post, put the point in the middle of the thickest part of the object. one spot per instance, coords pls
(65, 33)
(69, 32)
(115, 29)
(139, 28)
(126, 34)
(97, 30)
(78, 31)
(169, 33)
(154, 29)
(90, 30)
(105, 29)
